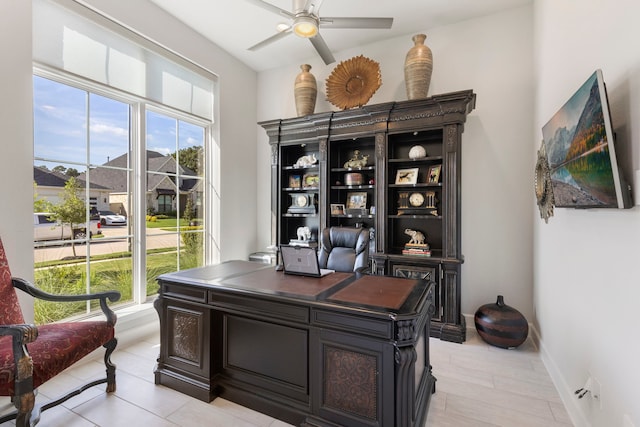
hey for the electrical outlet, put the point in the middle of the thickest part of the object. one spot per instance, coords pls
(596, 390)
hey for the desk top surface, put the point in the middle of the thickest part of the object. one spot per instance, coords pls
(381, 293)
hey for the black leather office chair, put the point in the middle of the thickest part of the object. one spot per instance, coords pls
(344, 249)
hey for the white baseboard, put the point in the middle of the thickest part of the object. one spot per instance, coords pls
(564, 390)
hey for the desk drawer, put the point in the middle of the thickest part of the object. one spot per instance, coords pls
(259, 307)
(357, 324)
(183, 292)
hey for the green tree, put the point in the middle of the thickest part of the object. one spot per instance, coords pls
(72, 172)
(39, 205)
(71, 210)
(60, 169)
(190, 157)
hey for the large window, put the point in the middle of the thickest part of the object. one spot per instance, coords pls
(86, 163)
(122, 157)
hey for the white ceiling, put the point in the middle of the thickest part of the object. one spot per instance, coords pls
(235, 25)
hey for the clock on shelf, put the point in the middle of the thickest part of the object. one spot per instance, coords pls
(417, 203)
(302, 203)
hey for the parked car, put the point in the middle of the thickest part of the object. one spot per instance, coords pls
(111, 218)
(47, 228)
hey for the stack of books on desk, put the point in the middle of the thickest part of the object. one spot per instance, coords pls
(416, 249)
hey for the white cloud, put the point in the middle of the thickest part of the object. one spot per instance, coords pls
(103, 128)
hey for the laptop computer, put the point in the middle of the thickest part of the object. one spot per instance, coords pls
(302, 260)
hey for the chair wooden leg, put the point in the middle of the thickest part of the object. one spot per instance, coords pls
(22, 420)
(24, 398)
(111, 368)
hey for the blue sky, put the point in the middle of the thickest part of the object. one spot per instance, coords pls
(60, 127)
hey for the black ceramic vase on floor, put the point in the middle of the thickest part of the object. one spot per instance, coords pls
(501, 325)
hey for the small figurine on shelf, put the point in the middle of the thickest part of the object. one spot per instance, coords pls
(416, 236)
(357, 161)
(306, 161)
(304, 233)
(416, 246)
(304, 238)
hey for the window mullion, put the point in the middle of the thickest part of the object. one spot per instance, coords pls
(138, 155)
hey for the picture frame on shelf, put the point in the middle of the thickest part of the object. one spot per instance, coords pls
(295, 181)
(433, 176)
(310, 180)
(407, 176)
(357, 200)
(337, 209)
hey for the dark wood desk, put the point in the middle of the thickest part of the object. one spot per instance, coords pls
(341, 350)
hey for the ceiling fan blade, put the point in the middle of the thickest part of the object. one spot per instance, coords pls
(322, 48)
(270, 40)
(272, 8)
(312, 6)
(306, 6)
(356, 22)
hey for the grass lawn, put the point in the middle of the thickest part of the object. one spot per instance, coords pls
(108, 274)
(112, 271)
(170, 224)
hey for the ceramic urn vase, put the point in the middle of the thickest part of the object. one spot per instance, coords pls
(305, 91)
(501, 325)
(418, 66)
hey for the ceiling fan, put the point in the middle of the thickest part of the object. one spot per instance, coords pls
(305, 22)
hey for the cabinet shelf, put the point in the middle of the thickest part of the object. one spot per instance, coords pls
(299, 215)
(417, 185)
(429, 159)
(300, 190)
(415, 216)
(301, 168)
(366, 168)
(353, 187)
(353, 216)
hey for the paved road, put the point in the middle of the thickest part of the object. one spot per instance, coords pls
(115, 240)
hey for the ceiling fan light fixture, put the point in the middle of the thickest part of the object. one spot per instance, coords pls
(305, 26)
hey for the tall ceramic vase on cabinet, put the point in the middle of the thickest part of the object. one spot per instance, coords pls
(418, 66)
(305, 91)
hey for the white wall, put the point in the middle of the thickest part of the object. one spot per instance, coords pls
(586, 262)
(492, 56)
(16, 145)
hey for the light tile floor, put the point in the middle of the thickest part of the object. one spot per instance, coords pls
(477, 385)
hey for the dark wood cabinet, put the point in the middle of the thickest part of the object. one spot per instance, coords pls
(368, 175)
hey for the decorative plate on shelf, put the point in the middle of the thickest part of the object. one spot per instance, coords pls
(353, 82)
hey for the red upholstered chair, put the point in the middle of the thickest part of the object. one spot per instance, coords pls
(30, 355)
